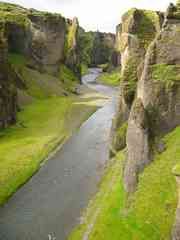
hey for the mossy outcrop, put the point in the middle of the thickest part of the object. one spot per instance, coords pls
(96, 48)
(158, 88)
(9, 81)
(150, 89)
(137, 31)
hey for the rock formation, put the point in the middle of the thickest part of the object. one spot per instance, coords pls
(138, 149)
(46, 41)
(103, 46)
(136, 32)
(150, 91)
(96, 47)
(8, 91)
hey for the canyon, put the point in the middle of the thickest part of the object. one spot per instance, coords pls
(123, 160)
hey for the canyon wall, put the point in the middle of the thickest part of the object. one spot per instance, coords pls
(133, 37)
(38, 41)
(96, 48)
(149, 102)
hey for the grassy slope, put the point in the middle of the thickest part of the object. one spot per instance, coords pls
(152, 213)
(42, 125)
(110, 79)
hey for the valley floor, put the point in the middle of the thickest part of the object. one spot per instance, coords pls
(41, 127)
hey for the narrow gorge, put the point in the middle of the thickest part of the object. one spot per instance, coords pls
(89, 126)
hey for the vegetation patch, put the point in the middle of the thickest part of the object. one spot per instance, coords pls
(151, 215)
(129, 79)
(120, 136)
(68, 78)
(168, 74)
(148, 23)
(148, 26)
(176, 170)
(84, 69)
(15, 14)
(112, 79)
(41, 127)
(17, 60)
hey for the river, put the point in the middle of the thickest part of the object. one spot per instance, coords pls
(50, 204)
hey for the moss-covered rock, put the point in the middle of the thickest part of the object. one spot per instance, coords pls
(8, 82)
(137, 31)
(159, 92)
(72, 48)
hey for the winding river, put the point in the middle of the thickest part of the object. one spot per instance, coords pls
(50, 204)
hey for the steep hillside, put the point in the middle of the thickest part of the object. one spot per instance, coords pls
(38, 49)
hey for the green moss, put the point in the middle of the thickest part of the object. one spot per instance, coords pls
(111, 79)
(41, 127)
(68, 78)
(104, 67)
(151, 216)
(84, 69)
(121, 132)
(41, 86)
(169, 74)
(148, 26)
(176, 170)
(14, 14)
(129, 79)
(120, 137)
(17, 60)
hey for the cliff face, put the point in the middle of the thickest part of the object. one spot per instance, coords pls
(103, 46)
(45, 41)
(136, 32)
(96, 47)
(150, 89)
(159, 91)
(8, 84)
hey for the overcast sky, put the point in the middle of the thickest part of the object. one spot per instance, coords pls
(103, 15)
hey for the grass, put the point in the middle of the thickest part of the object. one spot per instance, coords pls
(152, 212)
(169, 74)
(17, 60)
(41, 127)
(42, 85)
(84, 69)
(110, 79)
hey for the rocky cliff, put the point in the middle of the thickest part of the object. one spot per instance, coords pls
(159, 92)
(42, 43)
(96, 47)
(103, 47)
(134, 35)
(149, 105)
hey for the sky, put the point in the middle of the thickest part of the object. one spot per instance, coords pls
(102, 15)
